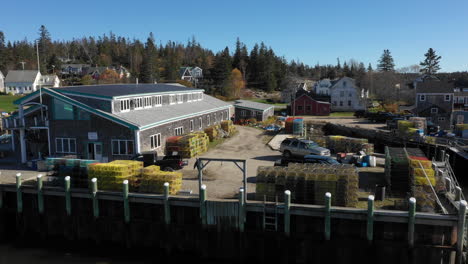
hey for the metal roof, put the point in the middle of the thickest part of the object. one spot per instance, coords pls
(119, 90)
(252, 105)
(21, 76)
(154, 116)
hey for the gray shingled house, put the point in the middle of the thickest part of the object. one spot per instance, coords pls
(108, 122)
(434, 100)
(244, 109)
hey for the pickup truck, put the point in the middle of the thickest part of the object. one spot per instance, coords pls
(166, 163)
(307, 159)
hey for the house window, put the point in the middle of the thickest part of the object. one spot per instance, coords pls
(447, 98)
(299, 107)
(308, 107)
(138, 103)
(341, 103)
(158, 100)
(441, 119)
(208, 121)
(179, 131)
(201, 122)
(155, 141)
(172, 99)
(334, 103)
(191, 125)
(344, 83)
(422, 97)
(342, 94)
(434, 110)
(147, 102)
(350, 94)
(122, 147)
(125, 105)
(349, 103)
(65, 145)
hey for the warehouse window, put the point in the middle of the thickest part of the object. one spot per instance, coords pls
(147, 102)
(191, 125)
(125, 105)
(155, 141)
(62, 110)
(180, 98)
(179, 131)
(441, 119)
(189, 97)
(243, 113)
(138, 103)
(201, 122)
(434, 110)
(122, 147)
(422, 97)
(208, 121)
(158, 100)
(299, 107)
(215, 120)
(65, 145)
(447, 97)
(308, 107)
(172, 99)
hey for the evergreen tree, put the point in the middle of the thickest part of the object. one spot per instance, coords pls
(45, 45)
(369, 68)
(430, 65)
(346, 70)
(240, 58)
(149, 72)
(221, 71)
(3, 53)
(386, 62)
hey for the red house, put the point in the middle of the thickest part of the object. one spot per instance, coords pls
(306, 105)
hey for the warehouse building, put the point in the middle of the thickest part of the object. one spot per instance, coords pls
(108, 122)
(247, 109)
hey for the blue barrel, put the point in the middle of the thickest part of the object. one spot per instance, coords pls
(298, 126)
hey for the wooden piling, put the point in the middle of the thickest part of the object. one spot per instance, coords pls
(67, 196)
(461, 230)
(40, 195)
(411, 220)
(287, 212)
(458, 192)
(241, 210)
(370, 218)
(327, 216)
(203, 215)
(94, 192)
(19, 195)
(167, 211)
(125, 201)
(448, 184)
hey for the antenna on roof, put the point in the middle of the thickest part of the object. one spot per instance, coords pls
(37, 52)
(22, 63)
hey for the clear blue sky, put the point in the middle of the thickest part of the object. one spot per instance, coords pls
(311, 31)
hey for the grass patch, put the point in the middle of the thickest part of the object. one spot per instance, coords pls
(6, 102)
(342, 114)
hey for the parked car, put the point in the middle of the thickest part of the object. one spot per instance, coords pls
(360, 113)
(166, 163)
(307, 159)
(380, 117)
(301, 147)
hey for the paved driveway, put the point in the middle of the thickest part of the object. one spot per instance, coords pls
(223, 179)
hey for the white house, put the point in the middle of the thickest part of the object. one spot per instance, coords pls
(323, 86)
(2, 82)
(289, 94)
(49, 81)
(22, 82)
(191, 74)
(346, 96)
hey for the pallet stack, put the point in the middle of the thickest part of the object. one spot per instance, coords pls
(348, 144)
(397, 170)
(308, 183)
(213, 132)
(153, 179)
(110, 176)
(421, 185)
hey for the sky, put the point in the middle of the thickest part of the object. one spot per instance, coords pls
(309, 31)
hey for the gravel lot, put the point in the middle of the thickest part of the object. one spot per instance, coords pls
(223, 180)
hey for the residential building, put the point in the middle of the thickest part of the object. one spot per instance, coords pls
(22, 82)
(109, 122)
(434, 100)
(2, 82)
(345, 95)
(460, 99)
(191, 74)
(49, 81)
(74, 69)
(304, 104)
(288, 94)
(244, 109)
(323, 86)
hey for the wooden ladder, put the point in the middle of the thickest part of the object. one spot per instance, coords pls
(270, 215)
